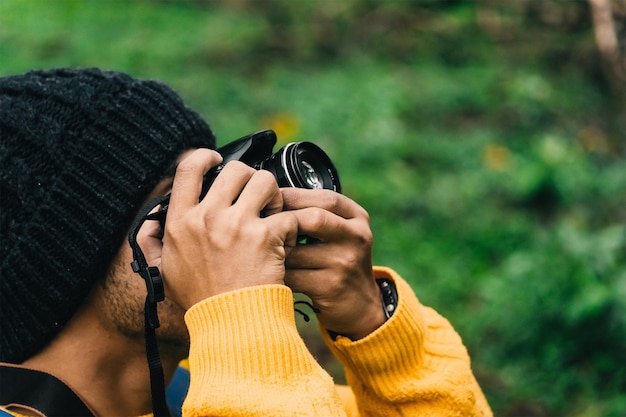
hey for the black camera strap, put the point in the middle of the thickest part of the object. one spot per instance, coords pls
(156, 293)
(41, 391)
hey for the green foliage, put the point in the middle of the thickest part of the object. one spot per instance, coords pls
(479, 136)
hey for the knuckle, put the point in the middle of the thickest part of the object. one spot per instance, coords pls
(336, 286)
(364, 215)
(188, 165)
(330, 200)
(290, 220)
(265, 175)
(173, 231)
(238, 166)
(349, 261)
(266, 179)
(316, 218)
(364, 236)
(288, 198)
(196, 161)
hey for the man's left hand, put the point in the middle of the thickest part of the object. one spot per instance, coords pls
(336, 270)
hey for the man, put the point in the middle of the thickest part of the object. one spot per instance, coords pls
(81, 153)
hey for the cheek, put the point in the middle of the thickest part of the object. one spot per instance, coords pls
(122, 296)
(125, 309)
(124, 293)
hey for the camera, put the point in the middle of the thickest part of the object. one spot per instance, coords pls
(297, 164)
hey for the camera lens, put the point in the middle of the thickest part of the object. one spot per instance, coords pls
(310, 176)
(303, 165)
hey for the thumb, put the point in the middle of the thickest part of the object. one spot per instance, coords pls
(150, 241)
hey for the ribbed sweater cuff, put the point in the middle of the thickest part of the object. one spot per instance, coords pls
(247, 358)
(247, 334)
(393, 349)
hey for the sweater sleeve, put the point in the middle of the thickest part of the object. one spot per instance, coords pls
(247, 358)
(413, 365)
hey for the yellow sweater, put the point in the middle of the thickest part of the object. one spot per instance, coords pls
(247, 359)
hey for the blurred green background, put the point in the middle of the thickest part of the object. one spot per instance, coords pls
(486, 139)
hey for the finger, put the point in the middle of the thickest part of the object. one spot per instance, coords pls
(291, 225)
(229, 184)
(317, 256)
(284, 225)
(189, 176)
(298, 198)
(149, 240)
(321, 224)
(261, 193)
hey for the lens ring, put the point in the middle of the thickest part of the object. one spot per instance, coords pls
(287, 164)
(297, 154)
(294, 164)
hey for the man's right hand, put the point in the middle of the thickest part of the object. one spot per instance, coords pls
(223, 242)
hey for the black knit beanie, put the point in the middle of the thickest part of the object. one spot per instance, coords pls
(80, 150)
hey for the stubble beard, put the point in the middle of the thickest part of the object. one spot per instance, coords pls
(124, 294)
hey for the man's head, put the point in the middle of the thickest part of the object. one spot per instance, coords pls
(80, 150)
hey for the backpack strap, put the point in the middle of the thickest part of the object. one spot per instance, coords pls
(40, 391)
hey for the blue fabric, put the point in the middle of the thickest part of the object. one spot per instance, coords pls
(4, 413)
(176, 391)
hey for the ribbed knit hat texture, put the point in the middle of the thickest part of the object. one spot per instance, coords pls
(80, 150)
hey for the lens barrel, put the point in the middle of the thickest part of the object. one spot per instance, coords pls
(302, 165)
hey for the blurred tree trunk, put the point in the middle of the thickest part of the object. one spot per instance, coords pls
(613, 57)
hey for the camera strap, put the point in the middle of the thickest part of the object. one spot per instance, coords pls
(155, 293)
(40, 391)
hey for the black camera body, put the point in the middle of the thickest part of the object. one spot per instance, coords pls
(297, 164)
